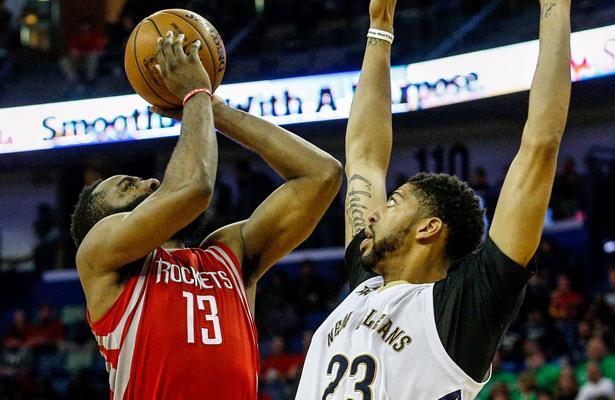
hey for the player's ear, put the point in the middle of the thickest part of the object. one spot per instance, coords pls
(429, 229)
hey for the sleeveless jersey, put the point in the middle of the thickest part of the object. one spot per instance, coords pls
(182, 329)
(383, 345)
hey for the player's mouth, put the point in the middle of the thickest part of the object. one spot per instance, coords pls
(369, 238)
(364, 244)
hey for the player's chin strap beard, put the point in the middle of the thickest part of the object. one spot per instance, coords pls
(128, 207)
(385, 246)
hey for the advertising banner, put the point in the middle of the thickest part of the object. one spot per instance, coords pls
(429, 84)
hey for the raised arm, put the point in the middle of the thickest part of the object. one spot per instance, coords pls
(186, 189)
(519, 215)
(288, 216)
(369, 134)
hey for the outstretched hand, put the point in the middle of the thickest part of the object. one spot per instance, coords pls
(181, 72)
(381, 14)
(550, 7)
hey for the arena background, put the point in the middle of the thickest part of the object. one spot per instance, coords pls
(568, 319)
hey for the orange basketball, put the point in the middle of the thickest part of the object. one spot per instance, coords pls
(140, 55)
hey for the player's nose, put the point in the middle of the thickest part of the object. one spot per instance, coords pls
(374, 216)
(152, 184)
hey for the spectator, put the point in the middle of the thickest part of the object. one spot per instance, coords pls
(17, 333)
(500, 391)
(535, 327)
(609, 291)
(281, 364)
(48, 331)
(527, 386)
(15, 356)
(567, 190)
(565, 302)
(85, 49)
(480, 184)
(596, 384)
(567, 386)
(545, 374)
(597, 352)
(564, 308)
(552, 261)
(280, 370)
(537, 294)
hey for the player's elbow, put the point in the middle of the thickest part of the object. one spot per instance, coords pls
(199, 191)
(331, 175)
(543, 146)
(543, 136)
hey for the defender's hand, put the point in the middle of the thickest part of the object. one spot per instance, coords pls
(181, 72)
(176, 113)
(381, 14)
(549, 8)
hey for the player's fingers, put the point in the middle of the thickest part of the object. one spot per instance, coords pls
(194, 51)
(178, 47)
(160, 57)
(161, 71)
(167, 49)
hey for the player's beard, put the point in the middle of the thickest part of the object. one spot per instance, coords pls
(128, 207)
(188, 233)
(381, 248)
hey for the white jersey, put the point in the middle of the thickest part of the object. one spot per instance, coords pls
(383, 345)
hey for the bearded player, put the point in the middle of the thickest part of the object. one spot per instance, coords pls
(177, 323)
(427, 326)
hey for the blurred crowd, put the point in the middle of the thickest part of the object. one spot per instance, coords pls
(46, 356)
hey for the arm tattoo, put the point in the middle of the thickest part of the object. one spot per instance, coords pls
(372, 41)
(358, 186)
(547, 8)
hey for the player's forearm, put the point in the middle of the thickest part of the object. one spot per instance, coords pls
(369, 133)
(288, 154)
(195, 159)
(550, 93)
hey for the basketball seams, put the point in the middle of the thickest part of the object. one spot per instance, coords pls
(136, 59)
(198, 31)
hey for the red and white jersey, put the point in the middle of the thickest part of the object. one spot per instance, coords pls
(182, 329)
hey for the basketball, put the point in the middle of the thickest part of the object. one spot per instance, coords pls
(140, 55)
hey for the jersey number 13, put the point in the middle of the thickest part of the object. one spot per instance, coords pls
(206, 338)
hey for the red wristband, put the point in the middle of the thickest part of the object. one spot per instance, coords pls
(193, 92)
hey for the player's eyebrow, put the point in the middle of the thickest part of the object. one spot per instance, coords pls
(397, 192)
(126, 178)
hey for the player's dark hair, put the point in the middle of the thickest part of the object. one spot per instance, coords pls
(455, 203)
(88, 211)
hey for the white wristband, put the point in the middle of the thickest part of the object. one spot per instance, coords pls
(381, 35)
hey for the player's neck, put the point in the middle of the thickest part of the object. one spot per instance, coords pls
(415, 267)
(173, 244)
